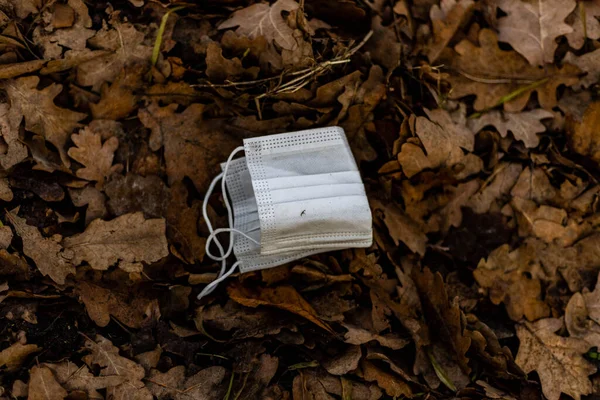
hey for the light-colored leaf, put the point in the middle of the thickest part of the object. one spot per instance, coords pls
(13, 356)
(531, 27)
(127, 240)
(43, 385)
(262, 19)
(97, 157)
(45, 252)
(524, 125)
(558, 360)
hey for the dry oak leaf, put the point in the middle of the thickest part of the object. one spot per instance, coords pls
(194, 147)
(401, 227)
(578, 322)
(182, 225)
(42, 116)
(25, 7)
(74, 377)
(524, 125)
(446, 19)
(45, 252)
(128, 306)
(318, 385)
(106, 356)
(443, 316)
(343, 362)
(97, 157)
(14, 356)
(358, 336)
(586, 27)
(173, 384)
(391, 384)
(43, 385)
(219, 68)
(126, 47)
(558, 360)
(117, 100)
(583, 136)
(491, 74)
(504, 274)
(54, 41)
(531, 27)
(262, 19)
(10, 121)
(589, 63)
(498, 185)
(127, 240)
(283, 297)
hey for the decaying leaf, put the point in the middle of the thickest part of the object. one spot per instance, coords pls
(583, 135)
(558, 360)
(129, 306)
(43, 385)
(524, 125)
(532, 27)
(445, 21)
(173, 384)
(194, 147)
(127, 240)
(97, 157)
(262, 19)
(42, 116)
(45, 252)
(282, 297)
(106, 356)
(584, 21)
(12, 357)
(73, 377)
(492, 82)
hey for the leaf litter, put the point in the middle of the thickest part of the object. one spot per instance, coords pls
(474, 124)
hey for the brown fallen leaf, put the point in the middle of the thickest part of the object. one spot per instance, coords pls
(577, 318)
(368, 96)
(584, 22)
(23, 8)
(127, 240)
(317, 385)
(558, 360)
(119, 99)
(10, 120)
(446, 19)
(589, 63)
(126, 47)
(130, 306)
(173, 384)
(504, 275)
(194, 147)
(343, 362)
(9, 71)
(262, 19)
(357, 336)
(283, 297)
(106, 356)
(475, 75)
(531, 29)
(73, 377)
(42, 116)
(383, 46)
(182, 225)
(133, 193)
(97, 157)
(443, 316)
(219, 68)
(502, 180)
(400, 227)
(53, 40)
(43, 385)
(524, 125)
(392, 385)
(583, 137)
(12, 357)
(45, 252)
(93, 199)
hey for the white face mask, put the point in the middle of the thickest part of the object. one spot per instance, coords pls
(294, 194)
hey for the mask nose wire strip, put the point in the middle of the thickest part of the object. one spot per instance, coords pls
(224, 254)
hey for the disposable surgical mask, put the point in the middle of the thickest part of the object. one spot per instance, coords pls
(293, 195)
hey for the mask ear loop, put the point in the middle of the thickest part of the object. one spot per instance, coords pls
(224, 254)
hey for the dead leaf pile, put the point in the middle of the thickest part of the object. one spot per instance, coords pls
(474, 126)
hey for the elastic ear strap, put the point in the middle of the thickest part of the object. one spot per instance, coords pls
(213, 285)
(224, 254)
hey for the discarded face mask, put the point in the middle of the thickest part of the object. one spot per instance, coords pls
(293, 194)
